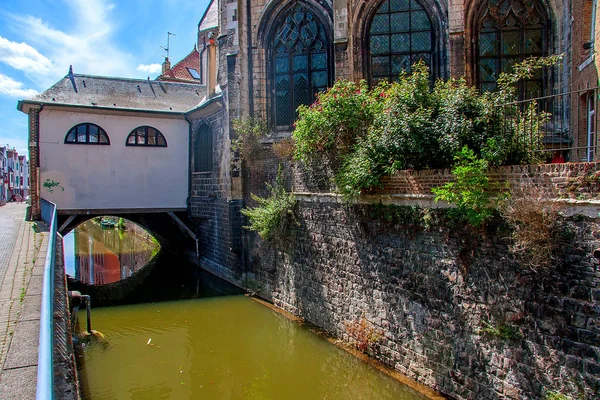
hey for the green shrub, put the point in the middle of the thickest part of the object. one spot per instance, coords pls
(339, 117)
(409, 125)
(470, 190)
(273, 214)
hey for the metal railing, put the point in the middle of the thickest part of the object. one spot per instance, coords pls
(45, 370)
(564, 126)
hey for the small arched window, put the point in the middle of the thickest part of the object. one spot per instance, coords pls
(508, 32)
(203, 150)
(400, 34)
(87, 133)
(146, 136)
(300, 59)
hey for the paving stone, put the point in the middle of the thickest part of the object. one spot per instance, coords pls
(23, 349)
(20, 383)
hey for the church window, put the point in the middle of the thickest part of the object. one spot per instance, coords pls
(510, 31)
(87, 133)
(301, 57)
(400, 35)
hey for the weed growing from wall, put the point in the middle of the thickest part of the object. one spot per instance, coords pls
(538, 232)
(249, 131)
(362, 333)
(274, 214)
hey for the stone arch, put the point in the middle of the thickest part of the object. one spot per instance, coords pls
(274, 9)
(361, 21)
(271, 19)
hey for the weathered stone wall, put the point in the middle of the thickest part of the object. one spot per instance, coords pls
(430, 294)
(215, 214)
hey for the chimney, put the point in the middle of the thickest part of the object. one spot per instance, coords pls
(211, 67)
(166, 65)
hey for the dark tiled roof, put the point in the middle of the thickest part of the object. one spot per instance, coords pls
(180, 71)
(121, 93)
(210, 19)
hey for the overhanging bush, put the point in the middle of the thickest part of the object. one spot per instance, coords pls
(407, 125)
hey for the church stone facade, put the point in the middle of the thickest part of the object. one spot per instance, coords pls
(271, 56)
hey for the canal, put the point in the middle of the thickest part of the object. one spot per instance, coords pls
(215, 346)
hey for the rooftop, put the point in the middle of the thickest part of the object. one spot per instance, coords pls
(210, 19)
(120, 94)
(183, 71)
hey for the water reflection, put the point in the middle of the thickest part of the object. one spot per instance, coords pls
(224, 348)
(106, 250)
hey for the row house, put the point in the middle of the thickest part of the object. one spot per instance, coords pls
(14, 174)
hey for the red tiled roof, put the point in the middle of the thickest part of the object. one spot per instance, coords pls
(180, 73)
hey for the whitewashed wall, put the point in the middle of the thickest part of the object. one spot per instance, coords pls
(115, 176)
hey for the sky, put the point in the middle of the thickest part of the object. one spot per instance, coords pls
(39, 40)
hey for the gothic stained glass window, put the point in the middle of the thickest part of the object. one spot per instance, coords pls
(300, 62)
(510, 31)
(401, 34)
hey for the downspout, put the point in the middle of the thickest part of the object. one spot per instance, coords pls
(37, 166)
(201, 66)
(250, 67)
(190, 172)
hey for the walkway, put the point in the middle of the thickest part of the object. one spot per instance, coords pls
(23, 247)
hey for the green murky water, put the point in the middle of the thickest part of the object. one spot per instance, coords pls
(222, 348)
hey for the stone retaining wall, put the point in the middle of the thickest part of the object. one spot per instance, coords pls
(454, 309)
(432, 295)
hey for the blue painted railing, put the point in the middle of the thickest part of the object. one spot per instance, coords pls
(45, 371)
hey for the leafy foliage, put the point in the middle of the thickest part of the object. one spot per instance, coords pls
(407, 125)
(249, 131)
(273, 214)
(470, 191)
(501, 331)
(339, 117)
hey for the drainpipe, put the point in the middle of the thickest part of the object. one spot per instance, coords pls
(201, 55)
(250, 67)
(190, 173)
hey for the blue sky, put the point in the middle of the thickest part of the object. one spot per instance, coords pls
(40, 39)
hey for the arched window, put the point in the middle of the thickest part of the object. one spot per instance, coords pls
(203, 150)
(301, 59)
(509, 31)
(87, 133)
(400, 35)
(146, 136)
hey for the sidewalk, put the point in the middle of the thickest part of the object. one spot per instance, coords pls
(23, 247)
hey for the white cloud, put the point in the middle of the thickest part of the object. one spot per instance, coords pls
(23, 57)
(150, 68)
(87, 43)
(10, 87)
